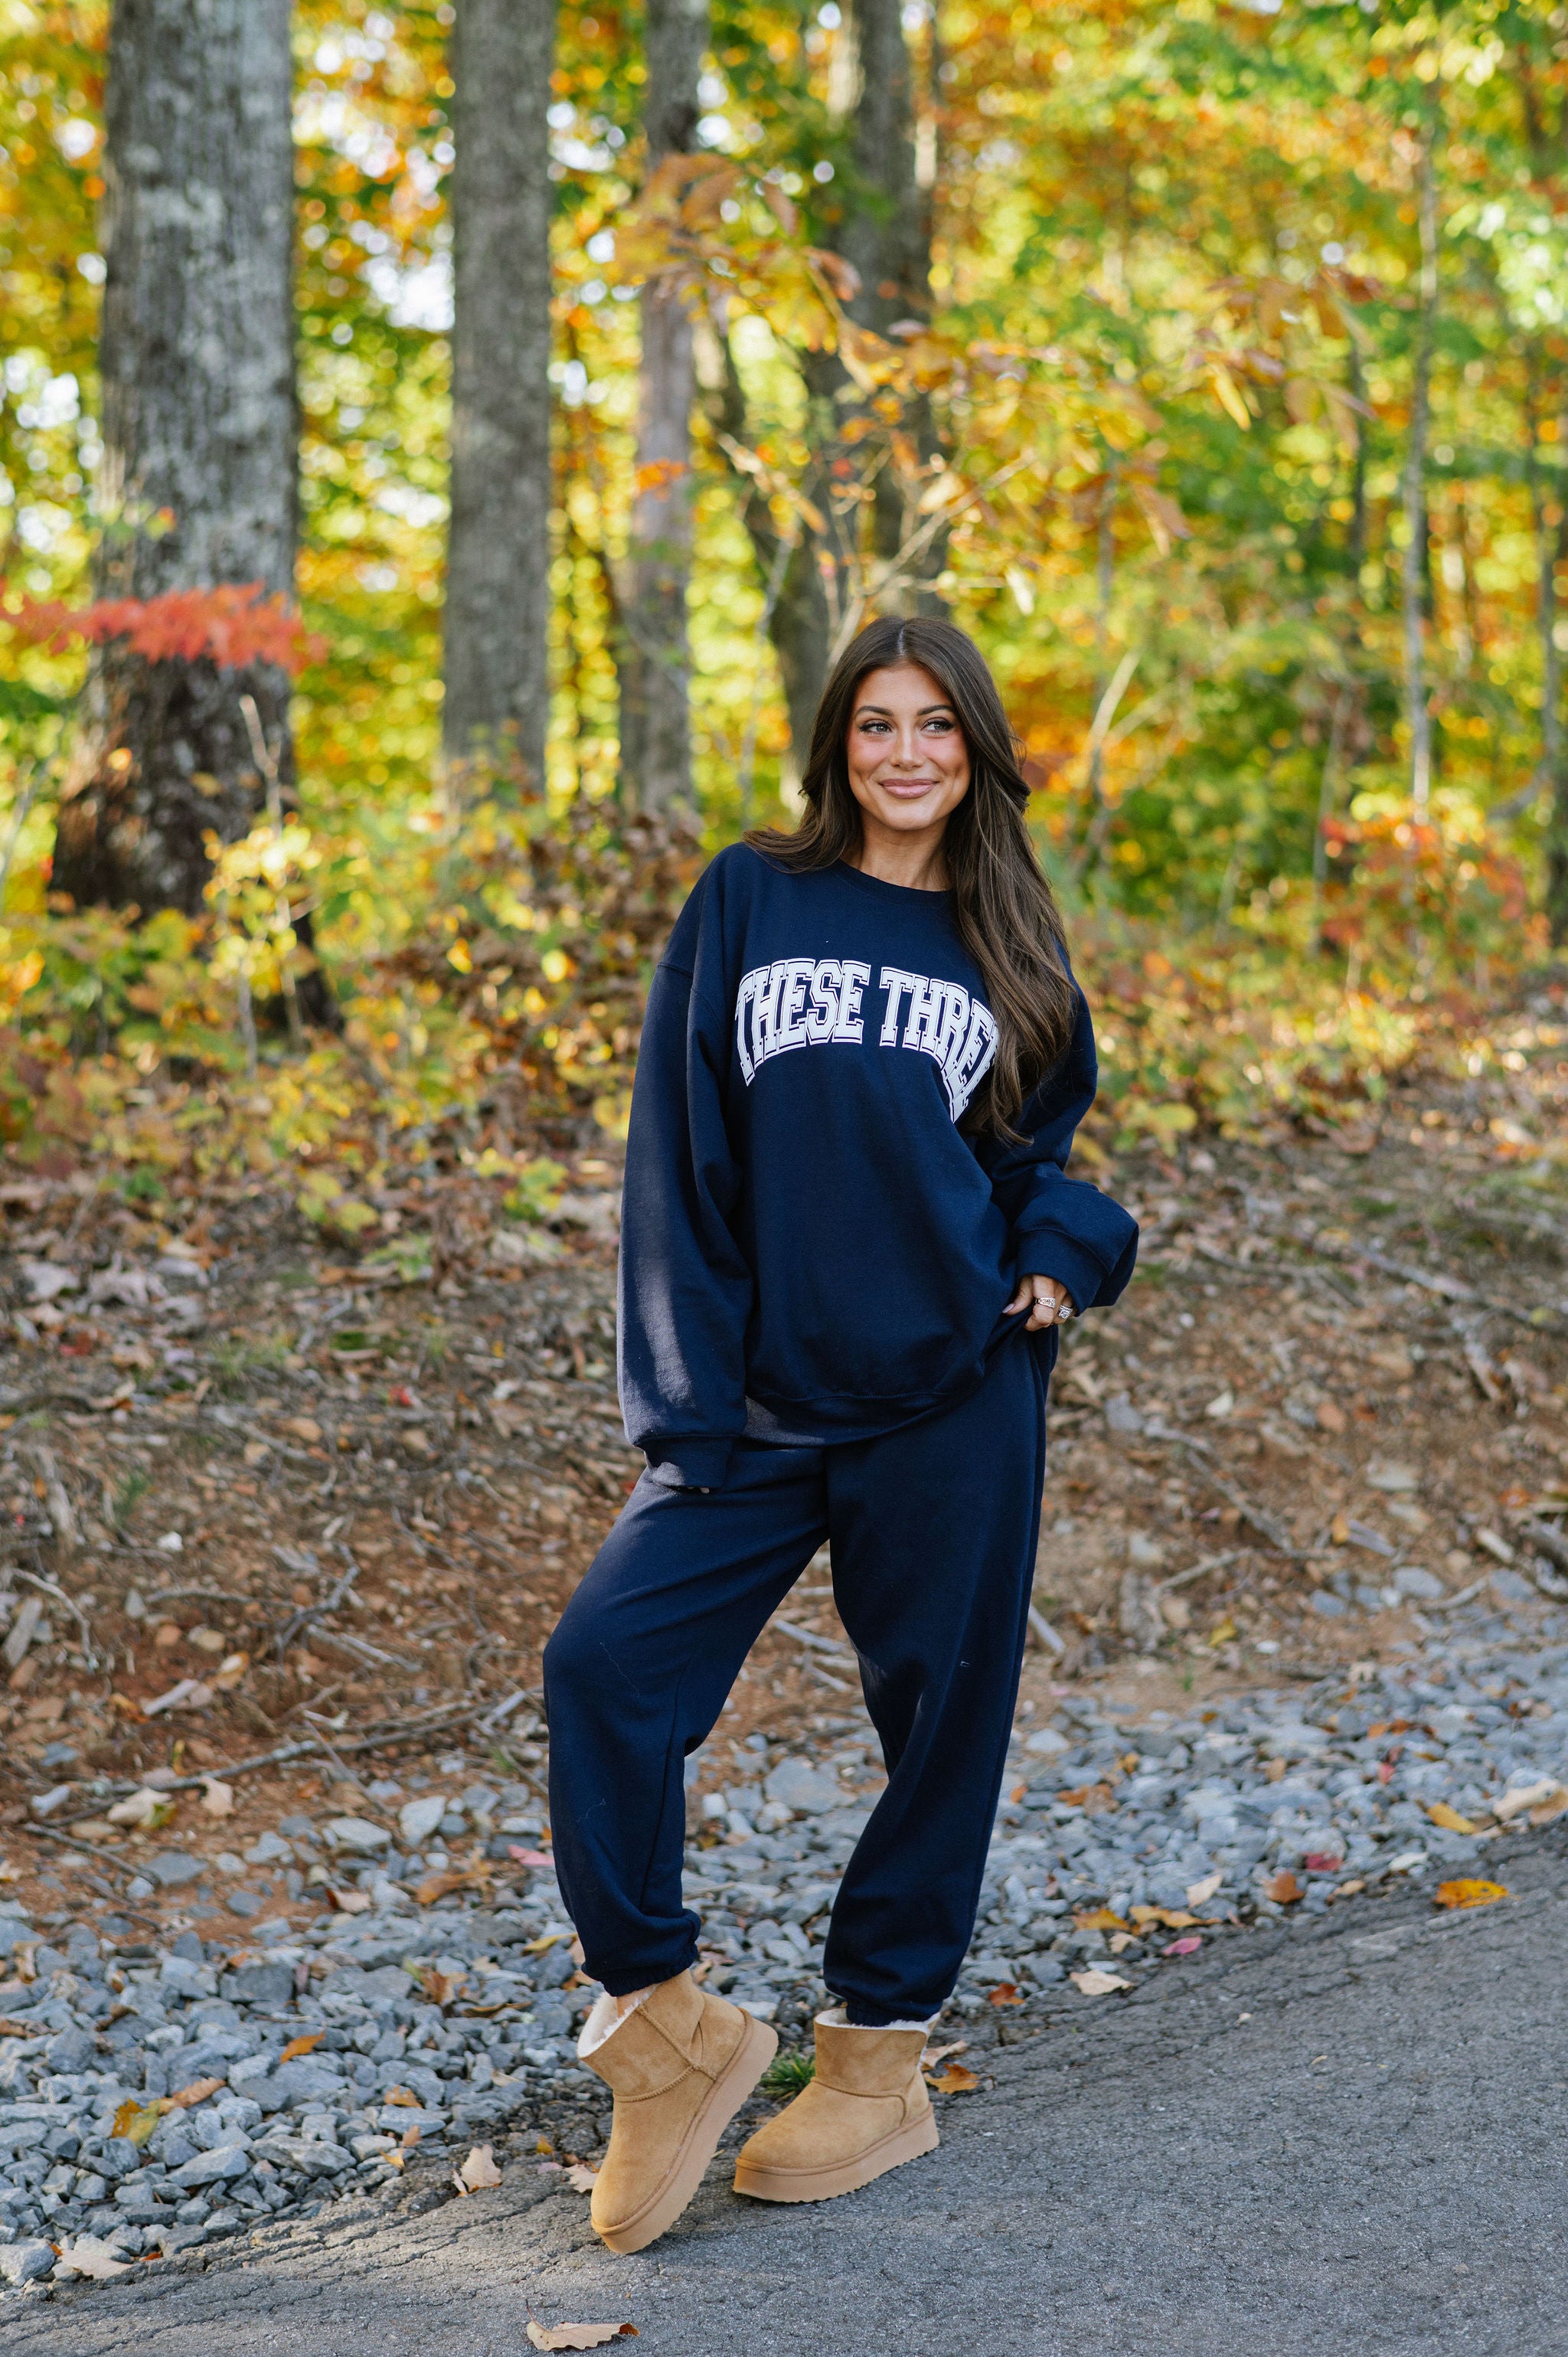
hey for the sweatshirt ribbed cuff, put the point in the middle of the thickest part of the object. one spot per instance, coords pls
(1045, 1253)
(689, 1464)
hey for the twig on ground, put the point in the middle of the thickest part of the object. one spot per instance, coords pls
(1044, 1634)
(1196, 1570)
(810, 1637)
(48, 1588)
(296, 1625)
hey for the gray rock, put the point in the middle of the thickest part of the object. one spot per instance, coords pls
(357, 1835)
(73, 2050)
(26, 2261)
(796, 1784)
(1414, 1581)
(1324, 1600)
(259, 1984)
(172, 1868)
(268, 1849)
(230, 2160)
(244, 1903)
(307, 2154)
(418, 1819)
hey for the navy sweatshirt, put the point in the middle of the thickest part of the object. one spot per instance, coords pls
(811, 1250)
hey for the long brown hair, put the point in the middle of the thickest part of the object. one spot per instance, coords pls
(1006, 915)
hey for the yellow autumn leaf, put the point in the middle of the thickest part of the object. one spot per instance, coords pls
(298, 2046)
(136, 2121)
(1469, 1893)
(1449, 1819)
(1229, 396)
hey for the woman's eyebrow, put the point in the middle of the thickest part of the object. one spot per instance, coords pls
(883, 712)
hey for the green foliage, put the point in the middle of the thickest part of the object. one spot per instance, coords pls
(787, 2074)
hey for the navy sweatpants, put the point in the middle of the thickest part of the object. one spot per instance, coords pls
(933, 1530)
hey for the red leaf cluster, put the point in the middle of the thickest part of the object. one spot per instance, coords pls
(232, 625)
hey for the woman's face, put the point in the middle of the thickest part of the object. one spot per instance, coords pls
(907, 762)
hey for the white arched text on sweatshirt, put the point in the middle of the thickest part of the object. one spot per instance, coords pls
(816, 1003)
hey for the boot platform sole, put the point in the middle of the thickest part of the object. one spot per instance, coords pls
(827, 2183)
(730, 2090)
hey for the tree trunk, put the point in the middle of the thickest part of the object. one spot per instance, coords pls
(655, 671)
(498, 576)
(885, 232)
(1418, 709)
(197, 358)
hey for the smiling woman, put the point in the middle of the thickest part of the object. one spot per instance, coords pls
(847, 1205)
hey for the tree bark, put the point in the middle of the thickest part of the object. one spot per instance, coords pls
(885, 232)
(497, 577)
(655, 668)
(199, 431)
(1418, 709)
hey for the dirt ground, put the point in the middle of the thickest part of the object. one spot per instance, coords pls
(264, 1493)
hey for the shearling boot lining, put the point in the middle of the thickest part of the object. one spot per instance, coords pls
(605, 2019)
(834, 2018)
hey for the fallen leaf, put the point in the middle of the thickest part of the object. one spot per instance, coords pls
(9, 2028)
(1449, 1819)
(1469, 1893)
(411, 2137)
(1174, 1918)
(1005, 1993)
(302, 1428)
(196, 2091)
(547, 1940)
(528, 1856)
(581, 2177)
(1223, 1633)
(404, 2097)
(1283, 1888)
(1188, 1947)
(440, 1987)
(229, 1671)
(576, 2336)
(298, 2046)
(349, 1903)
(935, 2054)
(136, 2121)
(958, 2079)
(1197, 1892)
(441, 1886)
(217, 1800)
(1322, 1861)
(478, 2172)
(1120, 1939)
(1094, 1983)
(89, 2255)
(144, 1808)
(1543, 1794)
(1099, 1919)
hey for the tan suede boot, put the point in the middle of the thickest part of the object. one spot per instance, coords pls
(866, 2111)
(680, 2065)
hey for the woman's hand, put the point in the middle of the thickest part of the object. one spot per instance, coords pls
(1052, 1302)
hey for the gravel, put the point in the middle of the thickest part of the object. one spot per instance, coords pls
(453, 2019)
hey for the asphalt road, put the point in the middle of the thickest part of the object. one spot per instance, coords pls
(1339, 2139)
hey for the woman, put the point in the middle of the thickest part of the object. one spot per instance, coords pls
(848, 1242)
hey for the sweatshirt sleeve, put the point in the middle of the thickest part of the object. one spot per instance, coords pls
(685, 1289)
(1063, 1227)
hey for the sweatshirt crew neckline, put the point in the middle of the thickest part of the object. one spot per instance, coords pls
(941, 897)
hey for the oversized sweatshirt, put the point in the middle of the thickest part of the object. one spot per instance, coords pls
(813, 1248)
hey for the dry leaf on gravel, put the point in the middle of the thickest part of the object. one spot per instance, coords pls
(1091, 1982)
(307, 2044)
(1544, 1799)
(1174, 1918)
(405, 2098)
(195, 2092)
(136, 2121)
(581, 2177)
(1099, 1919)
(1449, 1819)
(1467, 1892)
(349, 1903)
(441, 1886)
(958, 2079)
(440, 1987)
(146, 1808)
(1187, 1947)
(935, 2054)
(478, 2172)
(576, 2336)
(1197, 1892)
(89, 2255)
(217, 1800)
(1283, 1888)
(1005, 1993)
